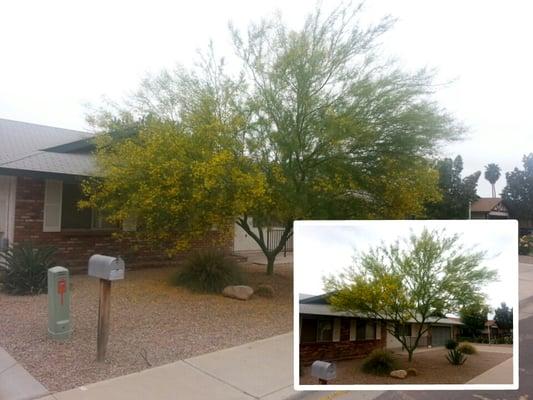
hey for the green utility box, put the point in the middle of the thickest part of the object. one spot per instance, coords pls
(59, 324)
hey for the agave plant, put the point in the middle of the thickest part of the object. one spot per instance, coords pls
(23, 268)
(456, 357)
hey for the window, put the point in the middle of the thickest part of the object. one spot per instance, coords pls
(325, 330)
(72, 217)
(403, 330)
(309, 329)
(316, 330)
(365, 330)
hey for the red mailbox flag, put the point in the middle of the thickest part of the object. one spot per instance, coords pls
(61, 288)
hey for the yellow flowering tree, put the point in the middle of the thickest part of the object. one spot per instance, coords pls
(417, 281)
(324, 127)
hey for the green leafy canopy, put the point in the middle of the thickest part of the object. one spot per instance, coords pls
(420, 280)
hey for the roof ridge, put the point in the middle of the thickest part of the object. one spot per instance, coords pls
(45, 126)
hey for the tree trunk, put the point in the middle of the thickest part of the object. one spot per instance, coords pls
(270, 265)
(410, 352)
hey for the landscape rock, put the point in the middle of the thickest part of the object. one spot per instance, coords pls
(264, 291)
(240, 292)
(399, 373)
(412, 371)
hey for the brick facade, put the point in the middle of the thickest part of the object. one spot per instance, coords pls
(343, 349)
(74, 247)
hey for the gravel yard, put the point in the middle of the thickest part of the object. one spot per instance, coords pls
(152, 323)
(432, 367)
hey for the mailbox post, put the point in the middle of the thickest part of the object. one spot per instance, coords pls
(108, 269)
(59, 325)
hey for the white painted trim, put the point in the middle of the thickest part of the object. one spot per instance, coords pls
(336, 329)
(50, 186)
(353, 330)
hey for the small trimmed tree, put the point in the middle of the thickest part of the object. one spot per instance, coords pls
(474, 316)
(504, 318)
(418, 280)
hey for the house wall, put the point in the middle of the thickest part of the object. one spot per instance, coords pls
(75, 248)
(343, 348)
(242, 241)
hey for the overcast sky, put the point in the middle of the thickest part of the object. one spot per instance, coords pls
(57, 56)
(327, 247)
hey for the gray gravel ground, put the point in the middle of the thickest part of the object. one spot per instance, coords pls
(148, 317)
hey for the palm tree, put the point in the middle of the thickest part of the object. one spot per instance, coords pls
(492, 174)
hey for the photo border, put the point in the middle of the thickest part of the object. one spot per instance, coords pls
(371, 387)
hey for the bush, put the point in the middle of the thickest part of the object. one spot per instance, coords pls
(379, 362)
(466, 348)
(24, 268)
(455, 357)
(451, 344)
(208, 271)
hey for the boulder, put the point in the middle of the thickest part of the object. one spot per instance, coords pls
(412, 371)
(264, 291)
(399, 373)
(240, 292)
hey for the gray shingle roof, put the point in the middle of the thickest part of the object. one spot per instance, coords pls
(22, 148)
(325, 309)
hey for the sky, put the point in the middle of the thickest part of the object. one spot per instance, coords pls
(59, 56)
(323, 248)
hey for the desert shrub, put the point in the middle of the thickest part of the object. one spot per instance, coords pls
(24, 268)
(466, 348)
(379, 362)
(525, 245)
(455, 357)
(507, 340)
(450, 344)
(208, 271)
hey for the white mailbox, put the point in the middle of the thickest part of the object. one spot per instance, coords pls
(323, 370)
(105, 267)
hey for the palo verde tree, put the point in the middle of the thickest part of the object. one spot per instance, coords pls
(330, 129)
(418, 280)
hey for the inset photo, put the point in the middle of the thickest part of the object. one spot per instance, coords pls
(387, 304)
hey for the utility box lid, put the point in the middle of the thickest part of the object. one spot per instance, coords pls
(106, 267)
(323, 370)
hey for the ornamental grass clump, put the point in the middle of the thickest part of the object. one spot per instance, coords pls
(24, 268)
(208, 271)
(379, 362)
(467, 348)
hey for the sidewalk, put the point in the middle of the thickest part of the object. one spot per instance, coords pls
(258, 370)
(500, 374)
(15, 382)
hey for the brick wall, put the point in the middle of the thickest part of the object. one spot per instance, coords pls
(344, 349)
(75, 248)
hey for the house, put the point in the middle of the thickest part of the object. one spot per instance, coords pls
(489, 208)
(243, 243)
(490, 329)
(41, 169)
(326, 334)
